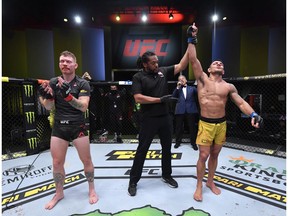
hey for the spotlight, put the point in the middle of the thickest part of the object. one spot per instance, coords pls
(171, 16)
(144, 17)
(215, 18)
(118, 17)
(78, 19)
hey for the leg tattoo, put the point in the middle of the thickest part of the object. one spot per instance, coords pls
(58, 178)
(89, 176)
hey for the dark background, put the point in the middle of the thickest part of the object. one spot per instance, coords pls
(251, 41)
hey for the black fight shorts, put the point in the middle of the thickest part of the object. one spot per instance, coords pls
(69, 131)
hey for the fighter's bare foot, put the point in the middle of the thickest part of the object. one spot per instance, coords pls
(54, 201)
(198, 194)
(213, 188)
(93, 198)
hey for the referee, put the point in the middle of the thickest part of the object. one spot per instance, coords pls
(150, 89)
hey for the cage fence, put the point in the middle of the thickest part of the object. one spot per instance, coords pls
(26, 129)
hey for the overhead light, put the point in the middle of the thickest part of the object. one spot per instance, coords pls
(171, 16)
(215, 18)
(77, 19)
(65, 20)
(117, 17)
(144, 17)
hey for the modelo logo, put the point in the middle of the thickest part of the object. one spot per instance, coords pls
(136, 47)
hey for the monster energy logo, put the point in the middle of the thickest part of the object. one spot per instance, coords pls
(86, 114)
(32, 142)
(30, 117)
(28, 89)
(137, 107)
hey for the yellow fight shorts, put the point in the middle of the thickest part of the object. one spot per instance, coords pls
(211, 131)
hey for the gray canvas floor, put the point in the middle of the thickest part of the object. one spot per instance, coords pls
(252, 184)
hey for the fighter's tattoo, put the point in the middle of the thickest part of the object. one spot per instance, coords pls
(58, 178)
(76, 104)
(89, 176)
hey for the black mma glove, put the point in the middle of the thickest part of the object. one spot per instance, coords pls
(257, 119)
(44, 94)
(190, 38)
(168, 98)
(65, 92)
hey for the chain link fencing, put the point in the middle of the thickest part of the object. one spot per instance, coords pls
(26, 129)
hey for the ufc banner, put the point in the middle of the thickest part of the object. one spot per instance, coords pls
(129, 42)
(30, 118)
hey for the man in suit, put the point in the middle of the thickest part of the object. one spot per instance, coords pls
(186, 109)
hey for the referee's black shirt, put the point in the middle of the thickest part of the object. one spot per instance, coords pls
(154, 85)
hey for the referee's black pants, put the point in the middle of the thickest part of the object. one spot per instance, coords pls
(161, 125)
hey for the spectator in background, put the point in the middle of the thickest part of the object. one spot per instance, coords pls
(98, 104)
(115, 100)
(282, 130)
(186, 109)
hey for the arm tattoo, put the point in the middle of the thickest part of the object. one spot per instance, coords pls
(58, 178)
(76, 104)
(89, 176)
